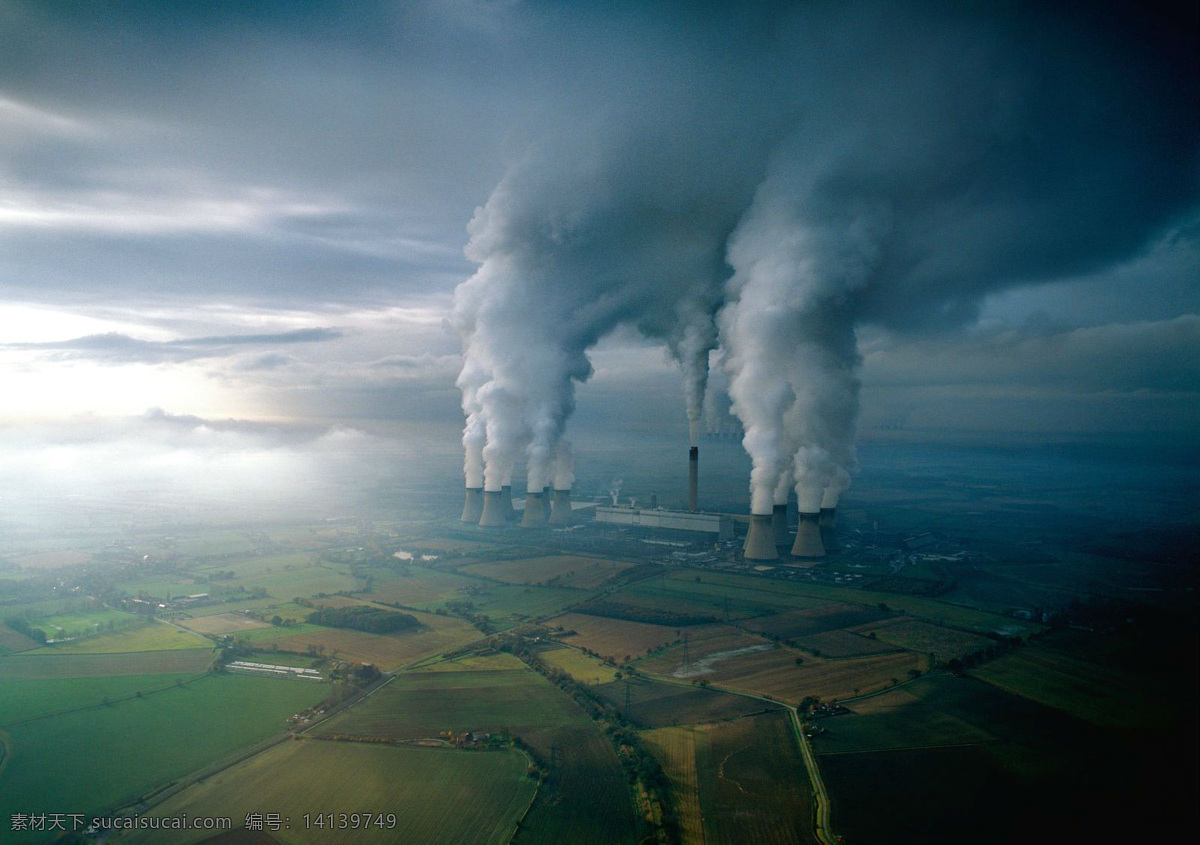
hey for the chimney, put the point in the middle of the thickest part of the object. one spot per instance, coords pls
(560, 511)
(473, 508)
(779, 526)
(493, 510)
(808, 537)
(694, 478)
(506, 507)
(760, 539)
(535, 511)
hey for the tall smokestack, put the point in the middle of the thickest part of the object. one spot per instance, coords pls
(694, 478)
(535, 511)
(473, 507)
(808, 537)
(779, 526)
(506, 505)
(760, 539)
(560, 511)
(493, 510)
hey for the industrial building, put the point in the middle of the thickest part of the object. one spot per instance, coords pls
(706, 523)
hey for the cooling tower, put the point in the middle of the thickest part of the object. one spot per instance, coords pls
(535, 511)
(828, 525)
(779, 526)
(560, 510)
(506, 507)
(760, 539)
(473, 507)
(808, 537)
(694, 478)
(493, 510)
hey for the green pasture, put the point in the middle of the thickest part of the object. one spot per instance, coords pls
(92, 759)
(435, 795)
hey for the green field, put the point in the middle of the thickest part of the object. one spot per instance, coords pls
(31, 698)
(45, 665)
(91, 759)
(585, 799)
(84, 623)
(156, 636)
(915, 765)
(780, 595)
(737, 782)
(436, 795)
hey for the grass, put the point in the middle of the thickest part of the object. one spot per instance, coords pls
(436, 795)
(84, 623)
(613, 638)
(581, 667)
(28, 666)
(92, 759)
(655, 704)
(28, 698)
(572, 571)
(156, 636)
(425, 704)
(739, 781)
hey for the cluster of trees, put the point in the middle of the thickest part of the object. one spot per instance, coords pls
(373, 620)
(22, 626)
(648, 615)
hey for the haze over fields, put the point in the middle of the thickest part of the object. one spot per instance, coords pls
(277, 278)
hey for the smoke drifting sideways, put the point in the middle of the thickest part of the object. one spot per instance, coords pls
(898, 163)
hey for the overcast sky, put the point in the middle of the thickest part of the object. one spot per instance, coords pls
(258, 210)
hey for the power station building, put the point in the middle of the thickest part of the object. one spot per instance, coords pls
(721, 527)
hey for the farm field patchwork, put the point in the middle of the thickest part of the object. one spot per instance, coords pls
(774, 673)
(40, 665)
(84, 623)
(577, 571)
(706, 646)
(612, 637)
(437, 634)
(833, 616)
(581, 667)
(419, 705)
(834, 644)
(745, 779)
(94, 758)
(435, 795)
(222, 623)
(914, 635)
(657, 704)
(156, 636)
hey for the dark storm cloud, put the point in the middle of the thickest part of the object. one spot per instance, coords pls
(1010, 157)
(116, 348)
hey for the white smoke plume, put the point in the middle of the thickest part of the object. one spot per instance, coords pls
(839, 164)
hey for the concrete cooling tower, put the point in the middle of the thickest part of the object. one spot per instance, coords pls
(560, 511)
(760, 539)
(493, 515)
(779, 526)
(473, 507)
(808, 537)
